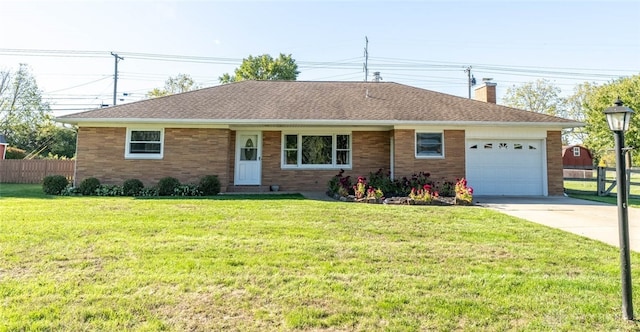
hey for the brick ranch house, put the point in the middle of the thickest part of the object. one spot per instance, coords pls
(298, 135)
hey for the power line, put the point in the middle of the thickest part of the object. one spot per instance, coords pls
(80, 85)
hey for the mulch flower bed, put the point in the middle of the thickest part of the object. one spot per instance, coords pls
(441, 201)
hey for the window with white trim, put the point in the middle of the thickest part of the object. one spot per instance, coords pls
(429, 145)
(144, 144)
(576, 151)
(316, 150)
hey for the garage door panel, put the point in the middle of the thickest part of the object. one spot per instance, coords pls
(505, 167)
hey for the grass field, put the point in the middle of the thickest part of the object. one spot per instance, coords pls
(284, 263)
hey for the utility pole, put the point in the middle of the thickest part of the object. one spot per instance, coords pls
(115, 77)
(471, 81)
(366, 58)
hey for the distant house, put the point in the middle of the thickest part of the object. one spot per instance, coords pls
(3, 147)
(299, 134)
(577, 161)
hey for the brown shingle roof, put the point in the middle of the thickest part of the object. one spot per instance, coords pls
(303, 101)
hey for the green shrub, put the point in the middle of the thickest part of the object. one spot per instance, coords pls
(109, 190)
(15, 153)
(187, 190)
(340, 184)
(209, 185)
(70, 191)
(149, 192)
(132, 187)
(446, 189)
(54, 184)
(167, 186)
(382, 180)
(88, 186)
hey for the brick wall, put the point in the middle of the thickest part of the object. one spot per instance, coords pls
(450, 168)
(370, 152)
(189, 154)
(231, 152)
(554, 163)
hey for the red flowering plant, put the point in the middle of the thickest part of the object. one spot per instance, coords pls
(373, 193)
(464, 193)
(340, 184)
(360, 188)
(424, 194)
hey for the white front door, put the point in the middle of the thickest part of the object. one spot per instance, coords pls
(248, 158)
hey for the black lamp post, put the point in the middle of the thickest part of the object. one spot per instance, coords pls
(619, 117)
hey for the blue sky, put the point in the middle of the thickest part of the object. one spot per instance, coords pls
(426, 44)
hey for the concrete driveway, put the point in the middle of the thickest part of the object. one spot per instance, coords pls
(589, 219)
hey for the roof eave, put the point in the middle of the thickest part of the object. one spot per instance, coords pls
(311, 122)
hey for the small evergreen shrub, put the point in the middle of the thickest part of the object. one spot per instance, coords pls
(132, 187)
(88, 186)
(54, 184)
(167, 186)
(209, 185)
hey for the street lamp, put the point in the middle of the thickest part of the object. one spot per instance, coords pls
(619, 117)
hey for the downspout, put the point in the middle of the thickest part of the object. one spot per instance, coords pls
(392, 149)
(545, 166)
(75, 164)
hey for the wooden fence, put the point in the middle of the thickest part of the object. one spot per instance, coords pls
(33, 171)
(605, 183)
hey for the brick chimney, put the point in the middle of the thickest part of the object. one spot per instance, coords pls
(486, 92)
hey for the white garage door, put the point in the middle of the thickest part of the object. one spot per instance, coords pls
(505, 167)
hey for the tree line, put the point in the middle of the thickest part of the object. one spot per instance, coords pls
(586, 104)
(26, 120)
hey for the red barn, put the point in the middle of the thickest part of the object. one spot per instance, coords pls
(3, 147)
(577, 161)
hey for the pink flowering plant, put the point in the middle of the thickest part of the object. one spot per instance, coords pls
(463, 191)
(424, 194)
(360, 188)
(419, 188)
(363, 190)
(373, 193)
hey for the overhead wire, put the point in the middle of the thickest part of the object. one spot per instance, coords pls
(404, 70)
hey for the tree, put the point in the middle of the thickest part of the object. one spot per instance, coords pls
(23, 114)
(543, 97)
(540, 96)
(173, 85)
(264, 67)
(58, 142)
(600, 139)
(575, 110)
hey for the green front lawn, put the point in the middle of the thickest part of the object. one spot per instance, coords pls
(286, 263)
